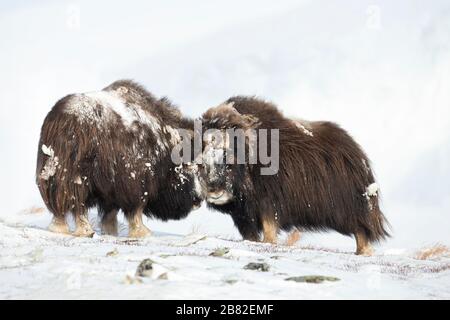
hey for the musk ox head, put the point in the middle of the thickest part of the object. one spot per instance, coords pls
(191, 173)
(184, 176)
(179, 195)
(216, 176)
(226, 132)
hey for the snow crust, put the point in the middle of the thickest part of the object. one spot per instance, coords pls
(37, 264)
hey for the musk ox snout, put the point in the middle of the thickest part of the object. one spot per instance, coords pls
(219, 197)
(197, 190)
(217, 184)
(215, 177)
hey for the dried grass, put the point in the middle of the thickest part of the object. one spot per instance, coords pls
(33, 210)
(436, 251)
(400, 269)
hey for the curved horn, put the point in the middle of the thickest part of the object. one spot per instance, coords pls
(231, 116)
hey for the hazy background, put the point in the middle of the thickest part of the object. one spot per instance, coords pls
(379, 68)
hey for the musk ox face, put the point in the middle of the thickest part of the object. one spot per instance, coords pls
(226, 150)
(215, 174)
(181, 195)
(195, 191)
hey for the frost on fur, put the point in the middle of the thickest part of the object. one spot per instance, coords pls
(371, 191)
(48, 150)
(303, 128)
(51, 164)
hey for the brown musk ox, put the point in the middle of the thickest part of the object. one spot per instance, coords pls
(323, 182)
(111, 149)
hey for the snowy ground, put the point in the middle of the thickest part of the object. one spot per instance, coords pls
(37, 264)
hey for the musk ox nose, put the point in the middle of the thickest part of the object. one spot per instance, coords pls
(215, 194)
(215, 189)
(220, 197)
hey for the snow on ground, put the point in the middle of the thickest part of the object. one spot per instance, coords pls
(37, 264)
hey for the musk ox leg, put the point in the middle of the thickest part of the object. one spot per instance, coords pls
(83, 227)
(249, 230)
(293, 237)
(363, 246)
(137, 229)
(59, 225)
(109, 223)
(270, 231)
(250, 235)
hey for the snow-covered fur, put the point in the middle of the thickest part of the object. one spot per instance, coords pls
(111, 149)
(324, 179)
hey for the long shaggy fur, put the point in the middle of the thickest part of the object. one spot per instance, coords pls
(321, 183)
(111, 149)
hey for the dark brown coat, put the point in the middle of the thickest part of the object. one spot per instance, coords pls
(324, 180)
(111, 149)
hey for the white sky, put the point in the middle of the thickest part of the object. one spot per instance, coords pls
(379, 68)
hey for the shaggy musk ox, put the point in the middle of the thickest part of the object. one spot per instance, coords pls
(112, 149)
(324, 179)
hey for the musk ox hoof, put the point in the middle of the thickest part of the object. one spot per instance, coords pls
(83, 227)
(293, 238)
(365, 252)
(59, 225)
(140, 232)
(269, 240)
(109, 225)
(110, 230)
(85, 232)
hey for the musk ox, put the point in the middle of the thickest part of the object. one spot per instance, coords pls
(111, 149)
(324, 180)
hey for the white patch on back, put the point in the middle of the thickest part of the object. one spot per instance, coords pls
(300, 125)
(116, 104)
(101, 108)
(86, 106)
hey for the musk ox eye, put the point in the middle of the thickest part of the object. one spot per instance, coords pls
(192, 168)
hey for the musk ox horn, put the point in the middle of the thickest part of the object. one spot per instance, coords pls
(230, 117)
